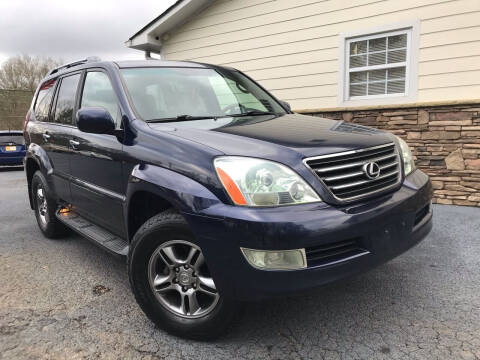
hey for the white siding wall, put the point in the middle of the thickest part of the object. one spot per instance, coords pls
(292, 47)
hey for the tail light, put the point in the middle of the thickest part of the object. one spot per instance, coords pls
(27, 118)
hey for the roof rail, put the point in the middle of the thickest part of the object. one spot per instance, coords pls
(75, 63)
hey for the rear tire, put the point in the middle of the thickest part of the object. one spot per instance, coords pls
(161, 285)
(45, 207)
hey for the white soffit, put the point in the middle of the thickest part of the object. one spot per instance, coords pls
(149, 38)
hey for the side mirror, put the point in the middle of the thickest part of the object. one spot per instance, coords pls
(95, 120)
(286, 105)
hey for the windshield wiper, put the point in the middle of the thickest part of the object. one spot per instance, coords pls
(182, 118)
(214, 117)
(254, 113)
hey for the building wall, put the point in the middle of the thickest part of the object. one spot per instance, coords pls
(14, 105)
(292, 47)
(445, 141)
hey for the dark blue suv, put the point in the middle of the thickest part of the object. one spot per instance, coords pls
(213, 189)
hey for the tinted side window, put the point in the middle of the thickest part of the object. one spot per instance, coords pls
(66, 99)
(98, 92)
(44, 98)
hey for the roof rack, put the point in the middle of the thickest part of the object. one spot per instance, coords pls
(75, 63)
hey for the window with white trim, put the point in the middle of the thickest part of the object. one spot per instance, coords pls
(377, 66)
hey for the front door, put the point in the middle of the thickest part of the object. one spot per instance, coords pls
(96, 164)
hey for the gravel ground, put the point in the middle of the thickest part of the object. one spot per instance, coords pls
(67, 299)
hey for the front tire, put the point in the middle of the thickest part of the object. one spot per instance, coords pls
(171, 282)
(45, 207)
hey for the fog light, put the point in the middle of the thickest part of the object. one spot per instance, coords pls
(276, 259)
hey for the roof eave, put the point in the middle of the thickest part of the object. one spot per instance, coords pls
(149, 38)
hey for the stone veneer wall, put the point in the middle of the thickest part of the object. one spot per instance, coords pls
(445, 141)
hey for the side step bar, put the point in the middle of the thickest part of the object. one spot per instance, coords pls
(95, 233)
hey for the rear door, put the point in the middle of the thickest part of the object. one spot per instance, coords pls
(59, 133)
(96, 165)
(38, 127)
(44, 132)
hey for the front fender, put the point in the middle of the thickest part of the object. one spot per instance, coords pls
(183, 193)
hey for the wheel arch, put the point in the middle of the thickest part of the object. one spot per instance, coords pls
(36, 159)
(143, 205)
(153, 189)
(31, 166)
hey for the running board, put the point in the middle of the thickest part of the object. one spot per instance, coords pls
(93, 232)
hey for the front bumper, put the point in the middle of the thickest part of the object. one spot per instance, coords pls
(382, 228)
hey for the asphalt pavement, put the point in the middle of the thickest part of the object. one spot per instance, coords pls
(68, 299)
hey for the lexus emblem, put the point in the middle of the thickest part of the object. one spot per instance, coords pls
(371, 170)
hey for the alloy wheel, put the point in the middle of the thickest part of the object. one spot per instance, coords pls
(42, 206)
(180, 279)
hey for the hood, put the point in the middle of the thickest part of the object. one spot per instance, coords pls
(269, 136)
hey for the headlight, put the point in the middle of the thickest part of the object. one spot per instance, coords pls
(408, 163)
(257, 182)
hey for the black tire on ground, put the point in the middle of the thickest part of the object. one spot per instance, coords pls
(167, 226)
(50, 226)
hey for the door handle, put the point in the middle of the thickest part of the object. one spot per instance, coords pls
(46, 137)
(74, 144)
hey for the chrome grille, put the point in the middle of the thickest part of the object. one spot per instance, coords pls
(343, 174)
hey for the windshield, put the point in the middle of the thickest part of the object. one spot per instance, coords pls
(12, 139)
(170, 93)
